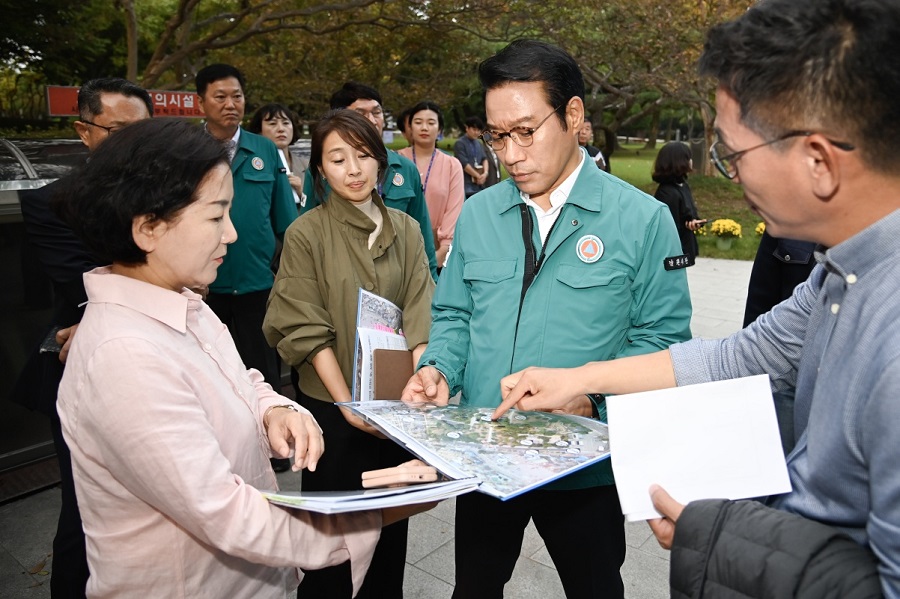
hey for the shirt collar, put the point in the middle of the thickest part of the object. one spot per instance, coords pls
(343, 211)
(560, 195)
(232, 144)
(865, 250)
(164, 305)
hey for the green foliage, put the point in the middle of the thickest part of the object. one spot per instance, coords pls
(716, 197)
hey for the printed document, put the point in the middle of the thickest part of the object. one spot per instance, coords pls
(713, 440)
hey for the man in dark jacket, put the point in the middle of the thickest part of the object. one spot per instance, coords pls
(104, 106)
(809, 125)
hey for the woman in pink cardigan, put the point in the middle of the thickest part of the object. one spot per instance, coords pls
(170, 434)
(442, 175)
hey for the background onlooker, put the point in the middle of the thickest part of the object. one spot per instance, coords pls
(263, 208)
(469, 150)
(780, 265)
(585, 137)
(442, 176)
(279, 124)
(673, 163)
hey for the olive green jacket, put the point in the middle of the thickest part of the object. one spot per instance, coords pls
(325, 261)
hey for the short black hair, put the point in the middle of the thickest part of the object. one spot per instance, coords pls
(352, 91)
(403, 119)
(270, 110)
(673, 163)
(90, 105)
(530, 61)
(820, 65)
(428, 105)
(353, 128)
(152, 167)
(474, 121)
(215, 72)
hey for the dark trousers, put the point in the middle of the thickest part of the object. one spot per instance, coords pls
(69, 574)
(348, 453)
(243, 315)
(583, 531)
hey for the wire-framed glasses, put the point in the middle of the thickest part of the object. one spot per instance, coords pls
(522, 136)
(725, 160)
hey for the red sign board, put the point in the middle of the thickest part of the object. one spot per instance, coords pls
(63, 101)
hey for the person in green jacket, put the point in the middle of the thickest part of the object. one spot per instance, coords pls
(402, 185)
(262, 210)
(560, 264)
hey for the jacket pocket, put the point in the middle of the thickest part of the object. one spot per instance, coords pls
(489, 271)
(579, 277)
(255, 176)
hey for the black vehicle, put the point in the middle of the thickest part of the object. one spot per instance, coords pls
(25, 292)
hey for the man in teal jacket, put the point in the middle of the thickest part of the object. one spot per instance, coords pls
(608, 280)
(263, 208)
(402, 185)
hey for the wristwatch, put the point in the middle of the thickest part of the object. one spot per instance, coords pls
(597, 400)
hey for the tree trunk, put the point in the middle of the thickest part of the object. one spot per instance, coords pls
(654, 131)
(131, 39)
(709, 134)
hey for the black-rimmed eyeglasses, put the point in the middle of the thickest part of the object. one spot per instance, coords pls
(727, 163)
(522, 136)
(109, 130)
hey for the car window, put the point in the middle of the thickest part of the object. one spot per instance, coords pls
(10, 167)
(52, 159)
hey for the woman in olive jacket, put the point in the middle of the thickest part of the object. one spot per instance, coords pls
(349, 242)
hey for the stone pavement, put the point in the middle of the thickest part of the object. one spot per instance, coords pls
(718, 292)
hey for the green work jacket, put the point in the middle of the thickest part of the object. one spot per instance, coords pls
(263, 207)
(579, 308)
(402, 190)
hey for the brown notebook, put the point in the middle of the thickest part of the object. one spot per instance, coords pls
(392, 369)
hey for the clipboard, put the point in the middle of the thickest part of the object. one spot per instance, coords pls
(392, 369)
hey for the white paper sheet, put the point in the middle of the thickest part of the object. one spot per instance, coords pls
(698, 442)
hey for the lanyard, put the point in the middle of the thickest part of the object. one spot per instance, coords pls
(430, 164)
(532, 264)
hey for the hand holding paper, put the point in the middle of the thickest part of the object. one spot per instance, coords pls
(664, 528)
(716, 439)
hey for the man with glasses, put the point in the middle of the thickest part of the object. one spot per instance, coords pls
(402, 186)
(105, 106)
(560, 264)
(809, 125)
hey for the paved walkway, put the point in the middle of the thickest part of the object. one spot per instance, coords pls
(718, 291)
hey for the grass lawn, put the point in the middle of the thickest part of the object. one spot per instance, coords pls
(716, 197)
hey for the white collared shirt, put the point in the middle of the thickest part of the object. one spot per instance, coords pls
(558, 197)
(232, 147)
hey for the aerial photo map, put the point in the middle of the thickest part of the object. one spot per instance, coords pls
(519, 452)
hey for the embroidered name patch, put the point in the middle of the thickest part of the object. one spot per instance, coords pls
(676, 262)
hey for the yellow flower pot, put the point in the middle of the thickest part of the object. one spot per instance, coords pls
(724, 243)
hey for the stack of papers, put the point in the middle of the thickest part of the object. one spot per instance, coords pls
(336, 502)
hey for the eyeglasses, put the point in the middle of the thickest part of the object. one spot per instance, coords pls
(727, 163)
(523, 136)
(375, 112)
(109, 130)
